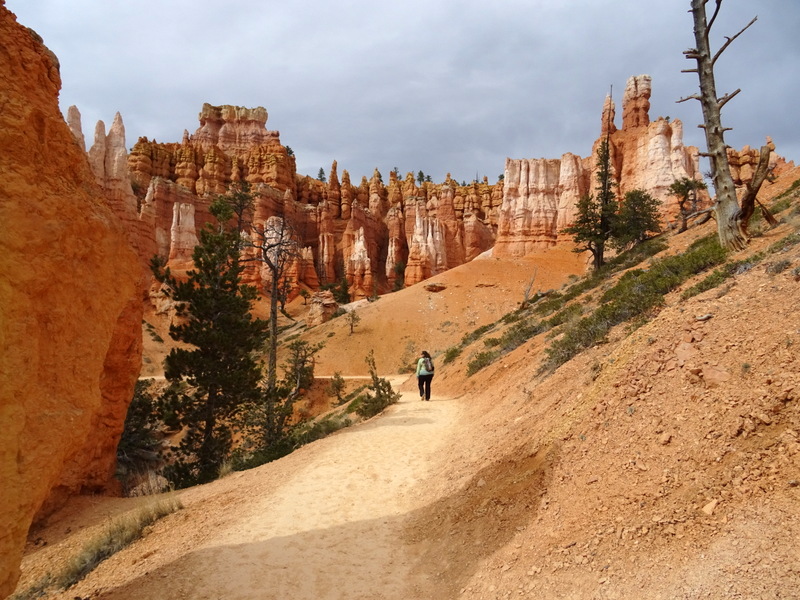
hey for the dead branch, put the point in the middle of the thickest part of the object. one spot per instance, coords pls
(724, 100)
(714, 16)
(768, 217)
(728, 40)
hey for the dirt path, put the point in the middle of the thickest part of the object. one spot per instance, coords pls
(332, 529)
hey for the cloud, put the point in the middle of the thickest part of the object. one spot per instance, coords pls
(451, 86)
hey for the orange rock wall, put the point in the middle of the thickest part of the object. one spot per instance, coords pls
(70, 329)
(363, 233)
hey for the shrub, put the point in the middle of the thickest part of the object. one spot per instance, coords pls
(721, 274)
(451, 354)
(380, 393)
(471, 337)
(481, 360)
(779, 266)
(785, 243)
(309, 432)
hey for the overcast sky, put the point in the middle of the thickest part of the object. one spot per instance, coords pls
(437, 85)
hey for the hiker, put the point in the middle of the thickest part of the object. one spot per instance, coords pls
(424, 375)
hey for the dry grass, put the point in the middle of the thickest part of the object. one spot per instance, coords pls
(120, 533)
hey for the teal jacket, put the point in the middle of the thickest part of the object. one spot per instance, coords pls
(421, 370)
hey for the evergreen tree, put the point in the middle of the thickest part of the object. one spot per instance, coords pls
(596, 217)
(215, 372)
(686, 191)
(639, 215)
(321, 175)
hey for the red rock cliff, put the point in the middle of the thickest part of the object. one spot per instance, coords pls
(70, 330)
(362, 233)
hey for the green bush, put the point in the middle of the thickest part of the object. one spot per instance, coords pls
(637, 292)
(481, 360)
(451, 354)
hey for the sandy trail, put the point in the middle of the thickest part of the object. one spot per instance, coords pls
(332, 529)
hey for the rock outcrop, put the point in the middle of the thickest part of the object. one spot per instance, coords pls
(371, 235)
(540, 195)
(71, 309)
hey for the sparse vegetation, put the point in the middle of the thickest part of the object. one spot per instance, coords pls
(352, 318)
(635, 294)
(120, 533)
(379, 395)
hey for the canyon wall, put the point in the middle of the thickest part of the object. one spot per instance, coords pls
(376, 235)
(71, 302)
(540, 195)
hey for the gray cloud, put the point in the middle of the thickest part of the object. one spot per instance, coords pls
(450, 86)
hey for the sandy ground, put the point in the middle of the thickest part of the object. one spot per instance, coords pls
(326, 524)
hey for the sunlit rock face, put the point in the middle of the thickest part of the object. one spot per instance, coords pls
(540, 195)
(71, 304)
(367, 234)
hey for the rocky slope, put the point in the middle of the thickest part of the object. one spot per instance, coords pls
(71, 304)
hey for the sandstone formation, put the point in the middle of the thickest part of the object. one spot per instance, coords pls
(540, 195)
(371, 235)
(71, 326)
(323, 305)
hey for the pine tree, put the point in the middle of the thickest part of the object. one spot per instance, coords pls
(639, 215)
(596, 217)
(215, 373)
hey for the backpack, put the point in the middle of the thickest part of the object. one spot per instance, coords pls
(428, 365)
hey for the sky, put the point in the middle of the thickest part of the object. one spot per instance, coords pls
(439, 86)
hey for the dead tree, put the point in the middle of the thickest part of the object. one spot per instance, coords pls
(276, 248)
(731, 220)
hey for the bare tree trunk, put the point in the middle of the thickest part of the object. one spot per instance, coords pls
(272, 361)
(759, 176)
(729, 217)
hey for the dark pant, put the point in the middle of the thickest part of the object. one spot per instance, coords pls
(424, 382)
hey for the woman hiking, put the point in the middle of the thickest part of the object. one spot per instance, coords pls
(424, 375)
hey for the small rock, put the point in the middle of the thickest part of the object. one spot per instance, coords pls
(704, 317)
(709, 508)
(759, 416)
(665, 439)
